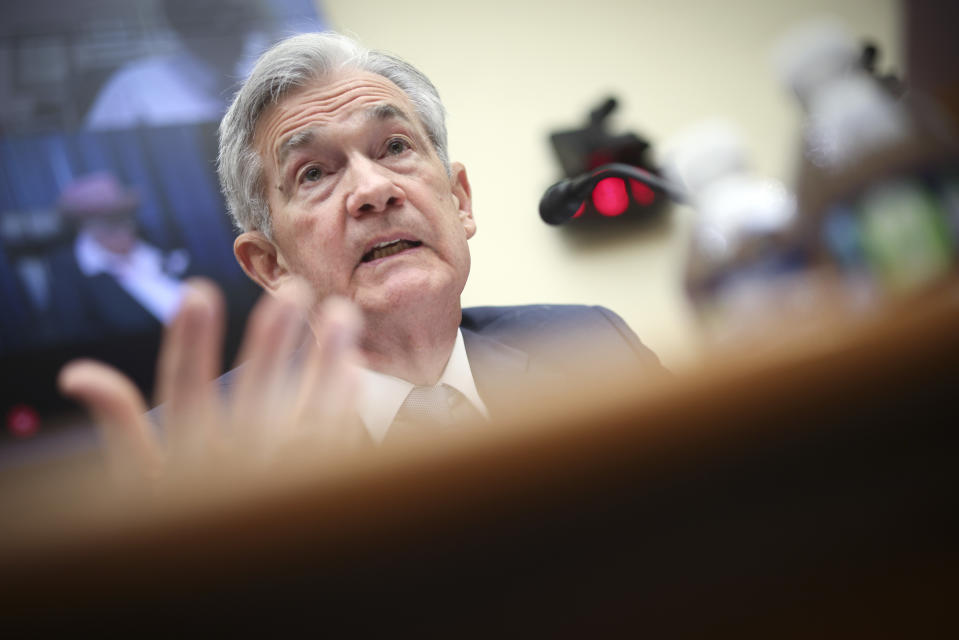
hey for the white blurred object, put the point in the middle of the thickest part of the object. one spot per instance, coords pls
(814, 54)
(734, 206)
(848, 115)
(742, 264)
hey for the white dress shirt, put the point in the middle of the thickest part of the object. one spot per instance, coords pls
(381, 395)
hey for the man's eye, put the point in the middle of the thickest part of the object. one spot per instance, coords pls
(311, 175)
(397, 146)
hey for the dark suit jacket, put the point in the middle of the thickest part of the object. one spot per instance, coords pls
(510, 344)
(97, 307)
(545, 346)
(551, 345)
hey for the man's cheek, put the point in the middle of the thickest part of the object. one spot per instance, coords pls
(304, 226)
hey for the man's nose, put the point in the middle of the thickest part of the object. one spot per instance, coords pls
(373, 188)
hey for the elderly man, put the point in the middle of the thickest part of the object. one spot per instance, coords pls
(334, 164)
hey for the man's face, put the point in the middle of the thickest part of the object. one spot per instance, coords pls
(360, 203)
(117, 234)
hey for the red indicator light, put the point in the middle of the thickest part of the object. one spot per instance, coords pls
(641, 192)
(23, 421)
(610, 197)
(580, 211)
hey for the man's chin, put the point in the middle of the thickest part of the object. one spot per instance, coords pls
(418, 293)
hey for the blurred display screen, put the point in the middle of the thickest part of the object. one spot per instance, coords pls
(108, 191)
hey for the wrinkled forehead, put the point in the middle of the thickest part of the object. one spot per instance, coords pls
(333, 98)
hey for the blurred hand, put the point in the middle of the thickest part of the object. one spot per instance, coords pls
(294, 389)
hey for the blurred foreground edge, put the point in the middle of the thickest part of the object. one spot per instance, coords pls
(808, 491)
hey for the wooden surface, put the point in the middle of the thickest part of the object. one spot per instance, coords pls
(810, 489)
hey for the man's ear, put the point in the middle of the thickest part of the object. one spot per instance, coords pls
(260, 259)
(462, 197)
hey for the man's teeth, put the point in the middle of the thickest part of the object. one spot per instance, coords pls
(385, 249)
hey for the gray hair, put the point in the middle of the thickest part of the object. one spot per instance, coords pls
(288, 65)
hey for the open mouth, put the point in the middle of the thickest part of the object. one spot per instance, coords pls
(386, 249)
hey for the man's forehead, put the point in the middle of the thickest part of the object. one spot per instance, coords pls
(377, 112)
(334, 98)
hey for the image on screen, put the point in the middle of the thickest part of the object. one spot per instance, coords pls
(109, 199)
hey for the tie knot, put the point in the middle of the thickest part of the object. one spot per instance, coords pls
(430, 411)
(428, 405)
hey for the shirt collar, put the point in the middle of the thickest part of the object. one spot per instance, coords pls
(381, 395)
(93, 259)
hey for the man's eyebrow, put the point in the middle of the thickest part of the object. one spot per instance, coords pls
(298, 140)
(387, 111)
(378, 112)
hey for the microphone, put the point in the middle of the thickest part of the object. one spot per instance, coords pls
(561, 201)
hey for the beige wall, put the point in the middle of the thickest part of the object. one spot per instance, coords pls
(509, 72)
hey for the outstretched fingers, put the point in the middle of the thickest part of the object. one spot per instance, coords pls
(295, 391)
(325, 406)
(188, 362)
(262, 397)
(132, 448)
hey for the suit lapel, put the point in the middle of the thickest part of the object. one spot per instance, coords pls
(495, 367)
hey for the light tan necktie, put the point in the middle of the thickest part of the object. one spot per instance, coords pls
(428, 411)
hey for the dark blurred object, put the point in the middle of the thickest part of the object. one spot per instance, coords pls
(932, 51)
(582, 150)
(621, 194)
(869, 59)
